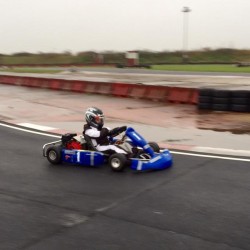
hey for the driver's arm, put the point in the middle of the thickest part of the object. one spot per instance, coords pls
(116, 131)
(96, 133)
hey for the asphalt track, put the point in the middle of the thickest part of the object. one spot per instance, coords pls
(200, 203)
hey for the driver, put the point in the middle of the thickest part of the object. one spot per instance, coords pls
(100, 135)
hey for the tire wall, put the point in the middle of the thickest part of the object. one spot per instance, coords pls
(224, 100)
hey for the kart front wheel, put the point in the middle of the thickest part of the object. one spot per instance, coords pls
(154, 146)
(117, 162)
(54, 154)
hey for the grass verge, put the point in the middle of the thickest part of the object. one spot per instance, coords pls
(227, 68)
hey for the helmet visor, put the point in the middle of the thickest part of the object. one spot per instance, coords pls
(99, 119)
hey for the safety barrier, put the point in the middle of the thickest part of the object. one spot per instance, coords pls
(8, 80)
(70, 86)
(55, 84)
(91, 87)
(157, 93)
(75, 86)
(120, 89)
(104, 89)
(183, 95)
(34, 83)
(139, 91)
(194, 96)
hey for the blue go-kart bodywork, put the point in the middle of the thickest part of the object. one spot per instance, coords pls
(148, 158)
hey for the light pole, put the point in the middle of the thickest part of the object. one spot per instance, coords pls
(185, 11)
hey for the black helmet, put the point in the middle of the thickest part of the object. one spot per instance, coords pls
(94, 117)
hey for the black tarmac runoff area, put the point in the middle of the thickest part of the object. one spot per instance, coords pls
(202, 202)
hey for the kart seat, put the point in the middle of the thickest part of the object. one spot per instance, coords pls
(89, 143)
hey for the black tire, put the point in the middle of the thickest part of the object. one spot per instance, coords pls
(222, 93)
(154, 146)
(205, 106)
(240, 100)
(117, 162)
(54, 154)
(205, 99)
(221, 100)
(221, 107)
(240, 108)
(241, 93)
(206, 92)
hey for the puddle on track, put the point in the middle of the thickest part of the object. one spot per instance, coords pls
(236, 123)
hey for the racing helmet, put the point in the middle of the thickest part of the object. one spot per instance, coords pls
(94, 117)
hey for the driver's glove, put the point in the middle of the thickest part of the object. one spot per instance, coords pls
(117, 131)
(123, 128)
(114, 131)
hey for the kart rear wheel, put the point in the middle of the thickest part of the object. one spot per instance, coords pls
(154, 146)
(54, 154)
(117, 162)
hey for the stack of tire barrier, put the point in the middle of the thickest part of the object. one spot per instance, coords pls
(224, 100)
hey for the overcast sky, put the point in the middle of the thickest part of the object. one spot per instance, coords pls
(121, 25)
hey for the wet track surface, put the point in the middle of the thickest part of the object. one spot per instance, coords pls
(178, 126)
(200, 203)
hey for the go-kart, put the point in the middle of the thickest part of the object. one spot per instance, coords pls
(141, 155)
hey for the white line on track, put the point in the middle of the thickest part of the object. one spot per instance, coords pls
(172, 151)
(211, 156)
(29, 131)
(222, 151)
(35, 126)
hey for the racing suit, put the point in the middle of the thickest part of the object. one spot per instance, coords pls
(100, 138)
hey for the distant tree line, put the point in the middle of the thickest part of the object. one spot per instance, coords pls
(206, 55)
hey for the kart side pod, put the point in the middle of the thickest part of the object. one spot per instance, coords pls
(138, 140)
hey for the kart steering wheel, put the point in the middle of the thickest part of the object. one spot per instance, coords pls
(121, 141)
